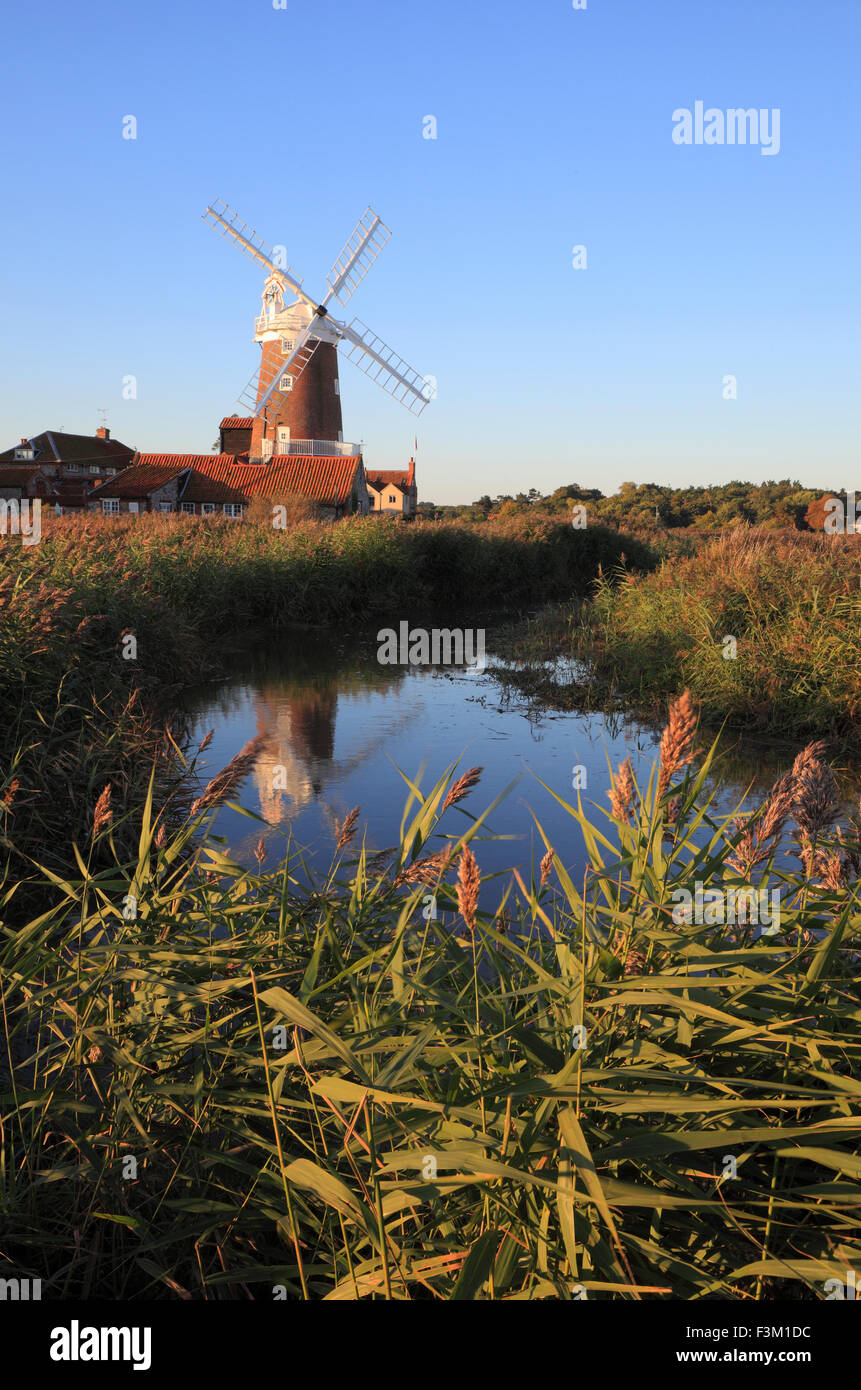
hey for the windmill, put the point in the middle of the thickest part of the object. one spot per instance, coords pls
(295, 396)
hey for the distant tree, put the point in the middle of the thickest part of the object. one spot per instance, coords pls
(815, 514)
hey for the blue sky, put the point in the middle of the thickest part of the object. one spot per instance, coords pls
(554, 129)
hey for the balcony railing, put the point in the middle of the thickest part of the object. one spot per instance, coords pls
(316, 447)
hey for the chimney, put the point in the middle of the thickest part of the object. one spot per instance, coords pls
(103, 432)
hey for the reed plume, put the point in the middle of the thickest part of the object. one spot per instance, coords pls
(743, 857)
(677, 739)
(815, 806)
(103, 815)
(763, 829)
(428, 870)
(468, 884)
(546, 866)
(222, 786)
(347, 829)
(621, 793)
(461, 788)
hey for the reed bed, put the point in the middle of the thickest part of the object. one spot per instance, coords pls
(219, 1083)
(790, 601)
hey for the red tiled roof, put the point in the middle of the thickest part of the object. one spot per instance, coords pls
(178, 461)
(137, 481)
(245, 477)
(199, 488)
(387, 479)
(237, 422)
(379, 478)
(326, 479)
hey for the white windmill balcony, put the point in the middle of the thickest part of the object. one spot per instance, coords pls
(315, 448)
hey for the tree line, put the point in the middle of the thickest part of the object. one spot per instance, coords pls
(778, 505)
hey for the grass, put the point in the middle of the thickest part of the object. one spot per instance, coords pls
(221, 1083)
(790, 602)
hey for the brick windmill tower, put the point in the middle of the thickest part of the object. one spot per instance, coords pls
(295, 397)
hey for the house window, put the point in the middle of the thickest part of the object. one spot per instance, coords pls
(207, 508)
(232, 509)
(73, 468)
(392, 497)
(94, 468)
(110, 506)
(165, 507)
(110, 472)
(188, 508)
(286, 382)
(134, 507)
(23, 452)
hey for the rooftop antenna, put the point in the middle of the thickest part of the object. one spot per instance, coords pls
(104, 417)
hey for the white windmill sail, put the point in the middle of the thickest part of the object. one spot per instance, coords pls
(227, 223)
(357, 257)
(269, 386)
(271, 377)
(382, 364)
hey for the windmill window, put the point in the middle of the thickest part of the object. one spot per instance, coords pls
(337, 387)
(286, 344)
(286, 382)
